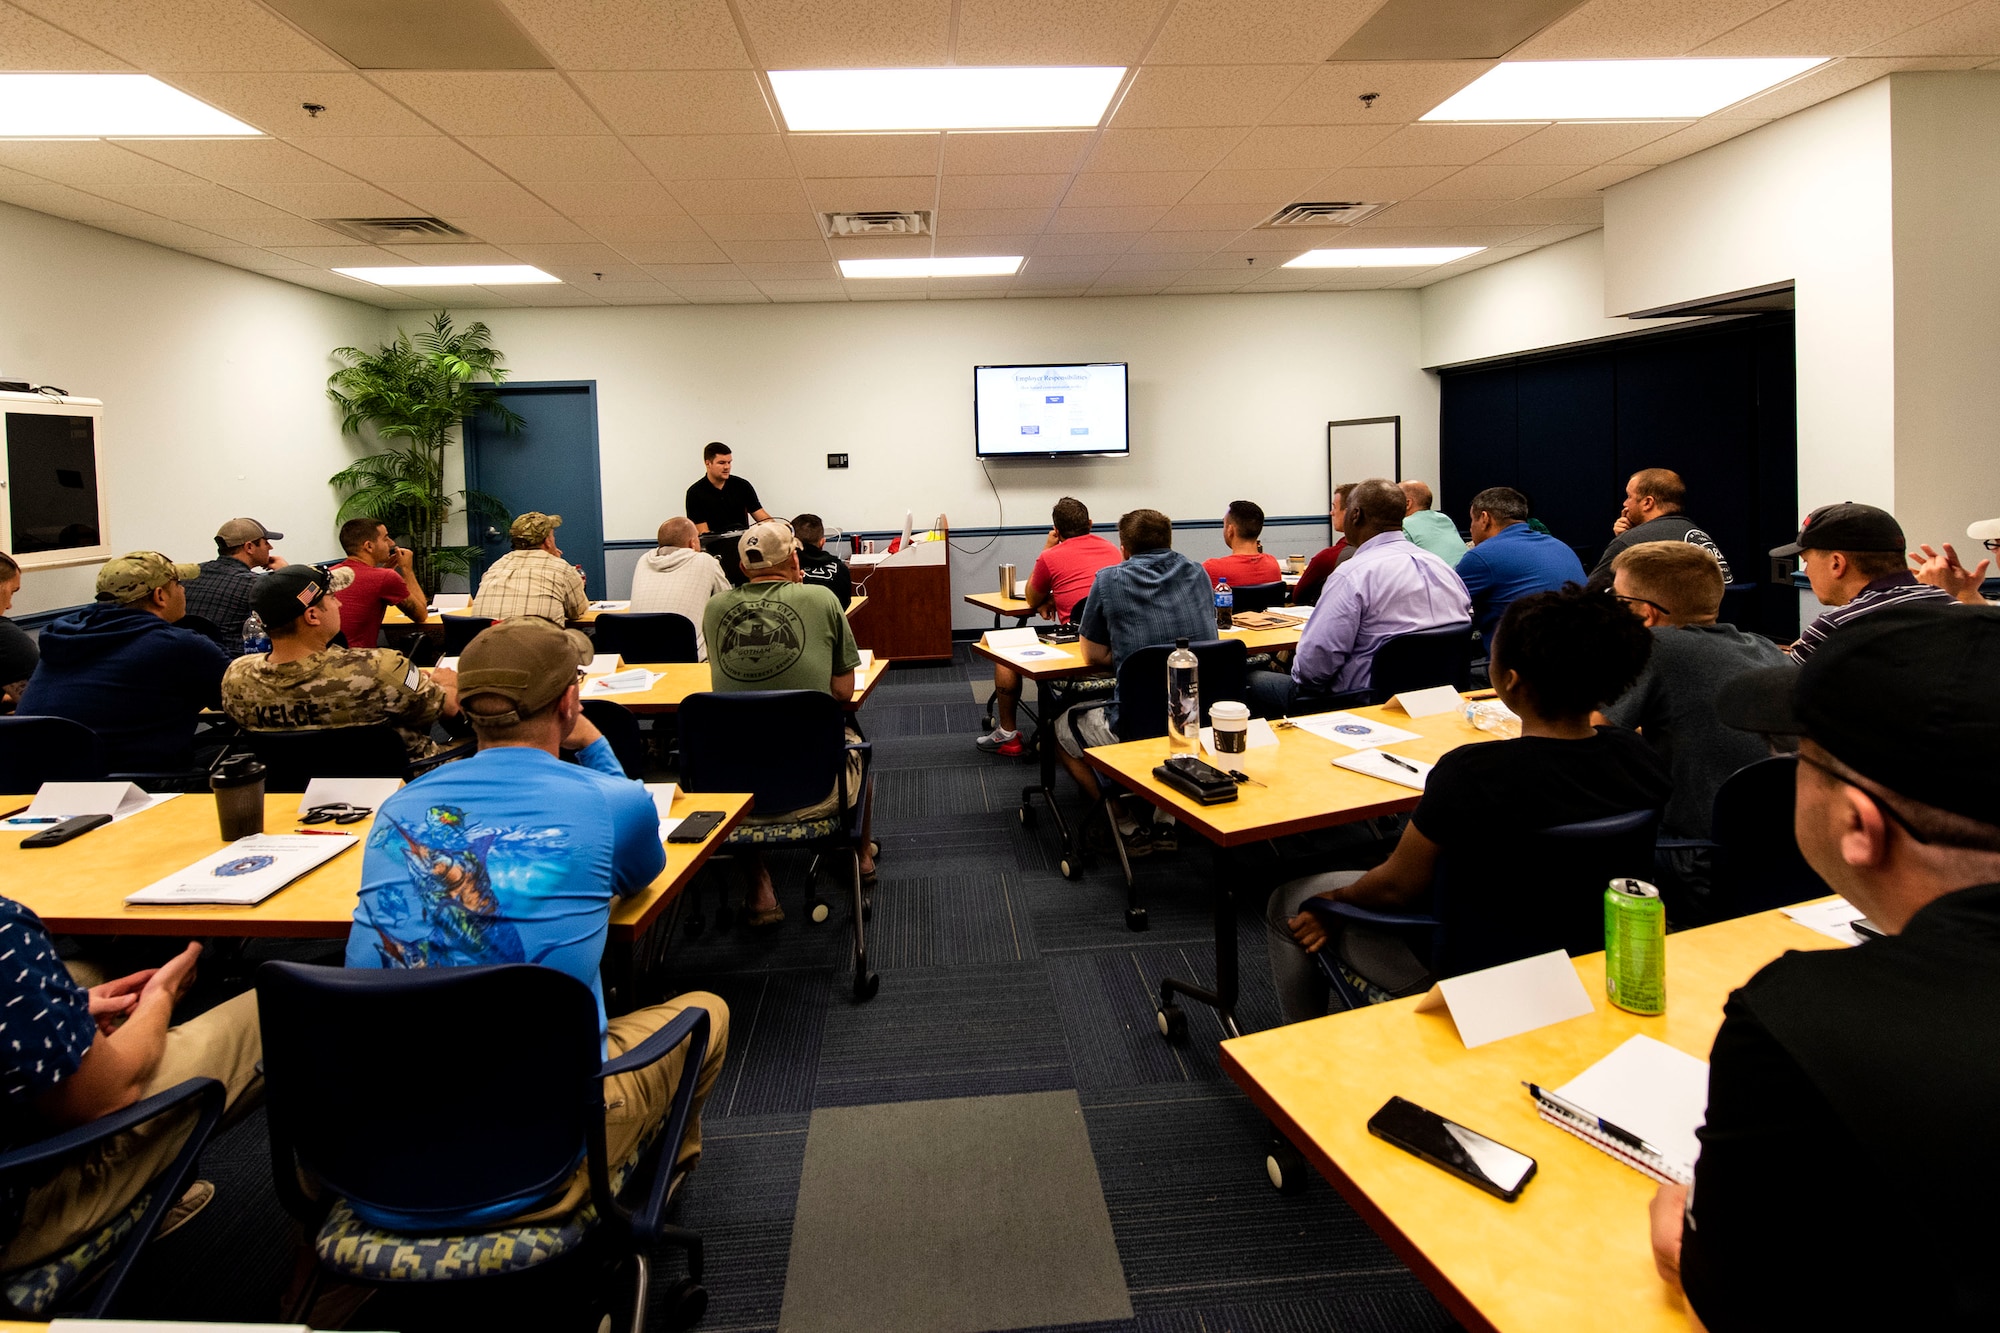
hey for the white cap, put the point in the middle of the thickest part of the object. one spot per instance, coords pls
(1984, 530)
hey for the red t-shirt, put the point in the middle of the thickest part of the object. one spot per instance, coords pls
(362, 602)
(1242, 570)
(1066, 570)
(1309, 585)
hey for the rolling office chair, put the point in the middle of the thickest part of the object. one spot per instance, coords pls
(647, 636)
(523, 1106)
(460, 630)
(621, 729)
(1414, 661)
(34, 750)
(1142, 713)
(1754, 863)
(294, 758)
(1260, 596)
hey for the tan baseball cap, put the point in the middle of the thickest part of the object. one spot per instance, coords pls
(240, 531)
(766, 545)
(127, 578)
(527, 661)
(534, 527)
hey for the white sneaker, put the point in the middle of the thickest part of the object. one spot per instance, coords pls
(999, 740)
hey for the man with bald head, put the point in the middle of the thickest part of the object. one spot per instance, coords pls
(1389, 586)
(1427, 527)
(678, 577)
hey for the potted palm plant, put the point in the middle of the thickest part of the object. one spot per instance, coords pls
(418, 389)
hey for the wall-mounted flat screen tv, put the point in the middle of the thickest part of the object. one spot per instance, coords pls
(1051, 411)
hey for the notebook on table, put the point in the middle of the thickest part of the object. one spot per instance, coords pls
(1646, 1091)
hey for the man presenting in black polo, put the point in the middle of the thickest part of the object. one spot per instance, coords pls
(720, 503)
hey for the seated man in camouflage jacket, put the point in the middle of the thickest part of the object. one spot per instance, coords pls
(303, 683)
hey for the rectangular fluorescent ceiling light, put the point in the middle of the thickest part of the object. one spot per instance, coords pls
(107, 106)
(951, 266)
(1615, 89)
(945, 99)
(451, 275)
(1427, 256)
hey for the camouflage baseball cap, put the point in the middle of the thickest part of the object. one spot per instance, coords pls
(127, 578)
(766, 545)
(534, 527)
(527, 661)
(241, 531)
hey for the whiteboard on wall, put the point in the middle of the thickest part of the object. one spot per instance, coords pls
(1363, 448)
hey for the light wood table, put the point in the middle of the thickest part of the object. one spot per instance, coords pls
(1013, 608)
(680, 679)
(1301, 791)
(435, 620)
(1572, 1253)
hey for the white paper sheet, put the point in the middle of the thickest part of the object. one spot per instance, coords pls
(867, 657)
(57, 801)
(348, 791)
(1651, 1089)
(610, 606)
(1428, 703)
(1353, 730)
(1510, 999)
(603, 664)
(448, 663)
(1036, 653)
(663, 794)
(1002, 639)
(633, 681)
(1376, 764)
(1829, 919)
(245, 872)
(451, 601)
(1256, 738)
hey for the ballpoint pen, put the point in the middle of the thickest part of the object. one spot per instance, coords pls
(1399, 763)
(1245, 777)
(1575, 1112)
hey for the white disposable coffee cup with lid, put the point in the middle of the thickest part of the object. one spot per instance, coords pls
(1231, 721)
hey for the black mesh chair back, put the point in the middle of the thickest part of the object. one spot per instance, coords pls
(786, 747)
(621, 730)
(1142, 684)
(1538, 890)
(34, 750)
(1758, 865)
(1420, 660)
(461, 630)
(294, 758)
(1259, 596)
(510, 1098)
(650, 636)
(1076, 612)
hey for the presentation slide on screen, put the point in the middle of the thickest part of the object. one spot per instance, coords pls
(1051, 409)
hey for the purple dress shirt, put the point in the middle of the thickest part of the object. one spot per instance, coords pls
(1390, 586)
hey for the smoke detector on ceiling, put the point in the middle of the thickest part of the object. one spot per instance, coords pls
(396, 231)
(1328, 214)
(917, 223)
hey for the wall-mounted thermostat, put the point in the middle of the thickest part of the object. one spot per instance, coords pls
(836, 460)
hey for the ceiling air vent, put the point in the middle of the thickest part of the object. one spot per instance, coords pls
(878, 224)
(396, 231)
(1323, 215)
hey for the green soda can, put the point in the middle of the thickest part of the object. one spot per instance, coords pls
(1635, 947)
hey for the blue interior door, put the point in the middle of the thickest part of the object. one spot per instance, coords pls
(550, 465)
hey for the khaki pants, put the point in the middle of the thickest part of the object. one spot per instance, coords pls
(222, 1044)
(634, 1102)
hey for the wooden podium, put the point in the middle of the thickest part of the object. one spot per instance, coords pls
(908, 614)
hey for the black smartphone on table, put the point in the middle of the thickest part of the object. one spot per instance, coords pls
(73, 827)
(1465, 1153)
(696, 826)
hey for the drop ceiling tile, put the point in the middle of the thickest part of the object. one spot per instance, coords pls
(1497, 183)
(713, 156)
(634, 34)
(827, 155)
(521, 231)
(714, 101)
(1404, 91)
(1442, 145)
(338, 256)
(247, 256)
(1702, 134)
(869, 194)
(874, 247)
(545, 296)
(999, 153)
(1216, 217)
(158, 231)
(430, 157)
(267, 232)
(455, 254)
(492, 102)
(1620, 30)
(321, 281)
(1833, 80)
(211, 35)
(1586, 184)
(1971, 31)
(237, 161)
(489, 198)
(822, 289)
(1546, 212)
(1432, 213)
(991, 221)
(1064, 269)
(1824, 27)
(593, 278)
(769, 252)
(324, 199)
(272, 103)
(1115, 188)
(1379, 185)
(1114, 220)
(1001, 191)
(87, 163)
(759, 226)
(740, 196)
(763, 274)
(1478, 233)
(1184, 242)
(1322, 147)
(31, 44)
(1018, 244)
(1187, 149)
(1165, 263)
(645, 198)
(1164, 96)
(1026, 292)
(1085, 242)
(677, 273)
(1583, 145)
(1268, 189)
(189, 202)
(636, 293)
(672, 252)
(1254, 32)
(569, 157)
(696, 291)
(1054, 32)
(1269, 253)
(854, 34)
(666, 227)
(1550, 235)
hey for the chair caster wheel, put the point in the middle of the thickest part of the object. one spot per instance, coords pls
(865, 986)
(986, 724)
(1135, 918)
(1286, 1167)
(818, 911)
(1071, 867)
(695, 928)
(686, 1303)
(1173, 1023)
(1027, 816)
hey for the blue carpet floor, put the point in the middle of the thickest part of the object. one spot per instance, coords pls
(998, 977)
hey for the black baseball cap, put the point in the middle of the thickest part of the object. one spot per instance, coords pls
(1903, 696)
(1847, 527)
(283, 595)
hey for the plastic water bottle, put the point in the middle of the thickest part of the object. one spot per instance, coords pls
(1183, 699)
(1225, 605)
(1492, 715)
(256, 639)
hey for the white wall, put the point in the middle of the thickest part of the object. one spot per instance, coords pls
(1805, 199)
(1230, 399)
(213, 381)
(1552, 297)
